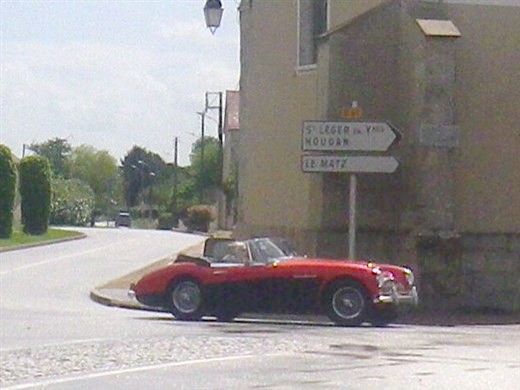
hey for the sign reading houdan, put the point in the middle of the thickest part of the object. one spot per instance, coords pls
(347, 136)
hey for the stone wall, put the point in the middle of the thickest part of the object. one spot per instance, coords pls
(474, 271)
(491, 271)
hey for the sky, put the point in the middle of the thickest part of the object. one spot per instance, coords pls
(113, 73)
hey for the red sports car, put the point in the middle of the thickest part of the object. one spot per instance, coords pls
(262, 275)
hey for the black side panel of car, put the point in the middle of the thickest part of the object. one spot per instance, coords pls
(271, 296)
(288, 296)
(239, 296)
(153, 300)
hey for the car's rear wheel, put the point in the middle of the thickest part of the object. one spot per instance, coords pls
(186, 300)
(347, 303)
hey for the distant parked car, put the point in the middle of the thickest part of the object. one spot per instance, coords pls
(123, 219)
(262, 275)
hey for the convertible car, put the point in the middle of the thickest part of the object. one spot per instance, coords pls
(263, 275)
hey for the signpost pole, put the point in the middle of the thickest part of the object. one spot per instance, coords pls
(352, 217)
(329, 136)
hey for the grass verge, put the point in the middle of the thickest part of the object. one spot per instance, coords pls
(19, 238)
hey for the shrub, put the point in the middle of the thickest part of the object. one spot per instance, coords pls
(7, 191)
(166, 221)
(198, 217)
(72, 202)
(35, 190)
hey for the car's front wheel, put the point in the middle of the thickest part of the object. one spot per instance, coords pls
(346, 303)
(186, 300)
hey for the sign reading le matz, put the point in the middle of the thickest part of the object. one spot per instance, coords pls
(352, 164)
(344, 136)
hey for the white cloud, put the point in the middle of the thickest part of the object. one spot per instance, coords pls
(192, 31)
(109, 96)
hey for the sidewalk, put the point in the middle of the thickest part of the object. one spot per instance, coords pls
(117, 297)
(115, 292)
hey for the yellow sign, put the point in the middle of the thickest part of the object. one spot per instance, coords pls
(351, 113)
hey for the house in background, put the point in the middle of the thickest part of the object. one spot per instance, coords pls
(445, 74)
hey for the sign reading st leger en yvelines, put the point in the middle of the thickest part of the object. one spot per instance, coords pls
(347, 136)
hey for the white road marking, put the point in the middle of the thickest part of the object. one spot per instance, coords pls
(136, 369)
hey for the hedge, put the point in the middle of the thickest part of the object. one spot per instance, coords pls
(7, 191)
(35, 190)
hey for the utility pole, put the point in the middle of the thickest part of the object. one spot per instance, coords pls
(219, 106)
(175, 178)
(202, 169)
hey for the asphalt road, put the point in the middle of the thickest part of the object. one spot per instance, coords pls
(53, 336)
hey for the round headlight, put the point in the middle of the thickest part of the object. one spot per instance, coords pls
(387, 287)
(384, 277)
(409, 276)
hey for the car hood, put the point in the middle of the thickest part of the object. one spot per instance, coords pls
(319, 262)
(341, 263)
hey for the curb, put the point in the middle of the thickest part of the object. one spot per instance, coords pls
(105, 300)
(42, 243)
(98, 298)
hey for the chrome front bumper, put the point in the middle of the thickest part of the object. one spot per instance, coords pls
(397, 298)
(131, 294)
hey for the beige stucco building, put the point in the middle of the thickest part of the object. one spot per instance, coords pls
(446, 75)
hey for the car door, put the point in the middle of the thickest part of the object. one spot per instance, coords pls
(281, 286)
(285, 289)
(235, 281)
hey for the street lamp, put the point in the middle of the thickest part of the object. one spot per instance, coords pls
(151, 177)
(213, 14)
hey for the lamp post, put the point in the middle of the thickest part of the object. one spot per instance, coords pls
(175, 180)
(213, 14)
(151, 175)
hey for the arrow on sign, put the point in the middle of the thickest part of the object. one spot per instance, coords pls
(352, 164)
(345, 136)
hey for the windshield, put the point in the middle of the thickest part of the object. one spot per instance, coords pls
(266, 250)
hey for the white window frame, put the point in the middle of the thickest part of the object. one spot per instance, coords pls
(310, 43)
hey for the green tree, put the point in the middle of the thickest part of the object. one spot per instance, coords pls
(57, 151)
(35, 189)
(141, 170)
(205, 164)
(98, 169)
(186, 194)
(7, 191)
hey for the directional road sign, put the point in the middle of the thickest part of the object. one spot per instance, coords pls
(345, 136)
(353, 164)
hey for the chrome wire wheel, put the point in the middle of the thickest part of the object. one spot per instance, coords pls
(186, 298)
(348, 302)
